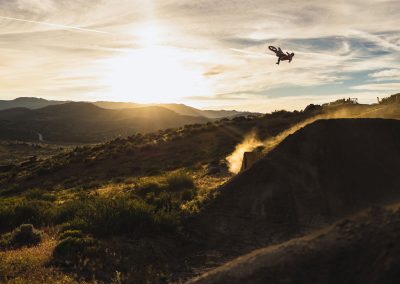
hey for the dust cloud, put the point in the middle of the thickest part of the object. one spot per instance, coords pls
(250, 142)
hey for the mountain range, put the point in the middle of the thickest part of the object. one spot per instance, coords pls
(35, 103)
(34, 119)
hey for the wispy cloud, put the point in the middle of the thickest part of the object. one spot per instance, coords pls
(379, 87)
(387, 74)
(71, 48)
(58, 26)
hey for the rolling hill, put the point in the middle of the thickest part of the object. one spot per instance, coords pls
(182, 147)
(25, 102)
(35, 103)
(85, 122)
(158, 152)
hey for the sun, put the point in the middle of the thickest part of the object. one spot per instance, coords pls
(154, 73)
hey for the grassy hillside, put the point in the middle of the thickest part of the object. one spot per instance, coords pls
(13, 153)
(84, 122)
(142, 155)
(162, 207)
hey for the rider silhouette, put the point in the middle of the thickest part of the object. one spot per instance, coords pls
(281, 55)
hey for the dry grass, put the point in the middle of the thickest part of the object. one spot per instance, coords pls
(29, 265)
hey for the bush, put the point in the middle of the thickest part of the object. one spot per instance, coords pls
(74, 247)
(34, 212)
(179, 181)
(99, 216)
(24, 235)
(71, 234)
(104, 216)
(188, 194)
(72, 226)
(67, 211)
(5, 240)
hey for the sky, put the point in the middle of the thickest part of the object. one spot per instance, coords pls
(205, 53)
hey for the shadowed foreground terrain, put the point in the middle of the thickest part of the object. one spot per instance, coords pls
(151, 208)
(364, 249)
(324, 171)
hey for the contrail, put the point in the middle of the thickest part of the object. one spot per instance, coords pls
(55, 25)
(249, 52)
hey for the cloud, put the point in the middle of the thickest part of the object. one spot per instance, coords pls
(338, 45)
(215, 70)
(387, 74)
(67, 27)
(378, 87)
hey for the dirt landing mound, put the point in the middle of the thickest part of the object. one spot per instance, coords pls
(323, 172)
(363, 250)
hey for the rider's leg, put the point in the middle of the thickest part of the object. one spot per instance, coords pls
(279, 60)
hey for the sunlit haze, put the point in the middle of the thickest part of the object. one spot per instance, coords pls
(203, 53)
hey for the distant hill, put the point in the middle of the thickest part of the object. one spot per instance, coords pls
(178, 108)
(25, 102)
(85, 122)
(35, 103)
(213, 114)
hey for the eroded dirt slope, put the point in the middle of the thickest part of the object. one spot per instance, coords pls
(321, 173)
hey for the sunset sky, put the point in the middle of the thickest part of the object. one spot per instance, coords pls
(204, 53)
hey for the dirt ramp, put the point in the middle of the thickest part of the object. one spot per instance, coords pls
(324, 171)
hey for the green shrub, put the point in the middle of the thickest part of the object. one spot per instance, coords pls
(179, 181)
(34, 194)
(67, 211)
(104, 216)
(148, 187)
(48, 197)
(74, 247)
(188, 194)
(39, 194)
(71, 234)
(24, 235)
(36, 212)
(5, 240)
(73, 225)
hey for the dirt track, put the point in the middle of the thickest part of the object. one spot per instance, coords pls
(363, 250)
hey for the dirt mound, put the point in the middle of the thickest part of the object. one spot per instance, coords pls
(363, 250)
(321, 173)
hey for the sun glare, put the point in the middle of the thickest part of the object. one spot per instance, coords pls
(154, 73)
